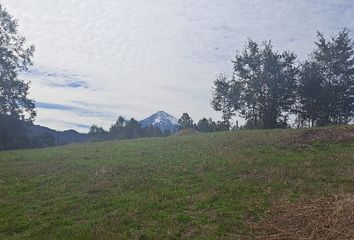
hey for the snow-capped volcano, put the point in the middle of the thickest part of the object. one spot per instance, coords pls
(162, 120)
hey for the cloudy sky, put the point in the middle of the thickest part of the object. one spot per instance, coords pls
(98, 59)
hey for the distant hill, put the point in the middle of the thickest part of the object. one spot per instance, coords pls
(161, 120)
(18, 134)
(62, 137)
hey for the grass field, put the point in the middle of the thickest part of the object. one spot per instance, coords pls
(204, 186)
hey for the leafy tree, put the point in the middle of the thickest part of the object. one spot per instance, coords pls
(310, 94)
(185, 122)
(203, 125)
(96, 130)
(15, 57)
(262, 89)
(335, 59)
(117, 130)
(152, 131)
(133, 129)
(222, 126)
(226, 97)
(120, 123)
(212, 125)
(208, 125)
(126, 129)
(326, 82)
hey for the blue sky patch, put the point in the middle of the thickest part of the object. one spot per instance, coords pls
(60, 79)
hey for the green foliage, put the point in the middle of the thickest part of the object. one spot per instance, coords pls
(117, 129)
(125, 129)
(96, 131)
(203, 125)
(326, 82)
(186, 122)
(310, 94)
(208, 125)
(262, 89)
(267, 85)
(152, 131)
(14, 58)
(226, 97)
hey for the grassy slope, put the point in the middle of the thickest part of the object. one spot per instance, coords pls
(204, 186)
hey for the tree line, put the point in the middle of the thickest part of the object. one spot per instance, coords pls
(129, 129)
(267, 87)
(203, 125)
(125, 129)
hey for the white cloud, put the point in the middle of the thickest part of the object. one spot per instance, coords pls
(137, 57)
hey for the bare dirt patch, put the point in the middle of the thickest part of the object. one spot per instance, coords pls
(330, 218)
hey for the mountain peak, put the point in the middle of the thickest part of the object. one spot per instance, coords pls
(162, 112)
(162, 120)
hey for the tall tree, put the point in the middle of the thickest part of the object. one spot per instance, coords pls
(335, 59)
(96, 131)
(152, 131)
(310, 94)
(212, 125)
(15, 57)
(186, 122)
(203, 125)
(263, 86)
(117, 129)
(133, 129)
(226, 96)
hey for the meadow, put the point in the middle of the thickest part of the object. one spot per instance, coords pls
(203, 186)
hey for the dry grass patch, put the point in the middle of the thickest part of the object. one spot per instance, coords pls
(330, 218)
(327, 135)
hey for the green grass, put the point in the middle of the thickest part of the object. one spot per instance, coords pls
(205, 186)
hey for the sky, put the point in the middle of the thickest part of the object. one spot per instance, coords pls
(98, 59)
